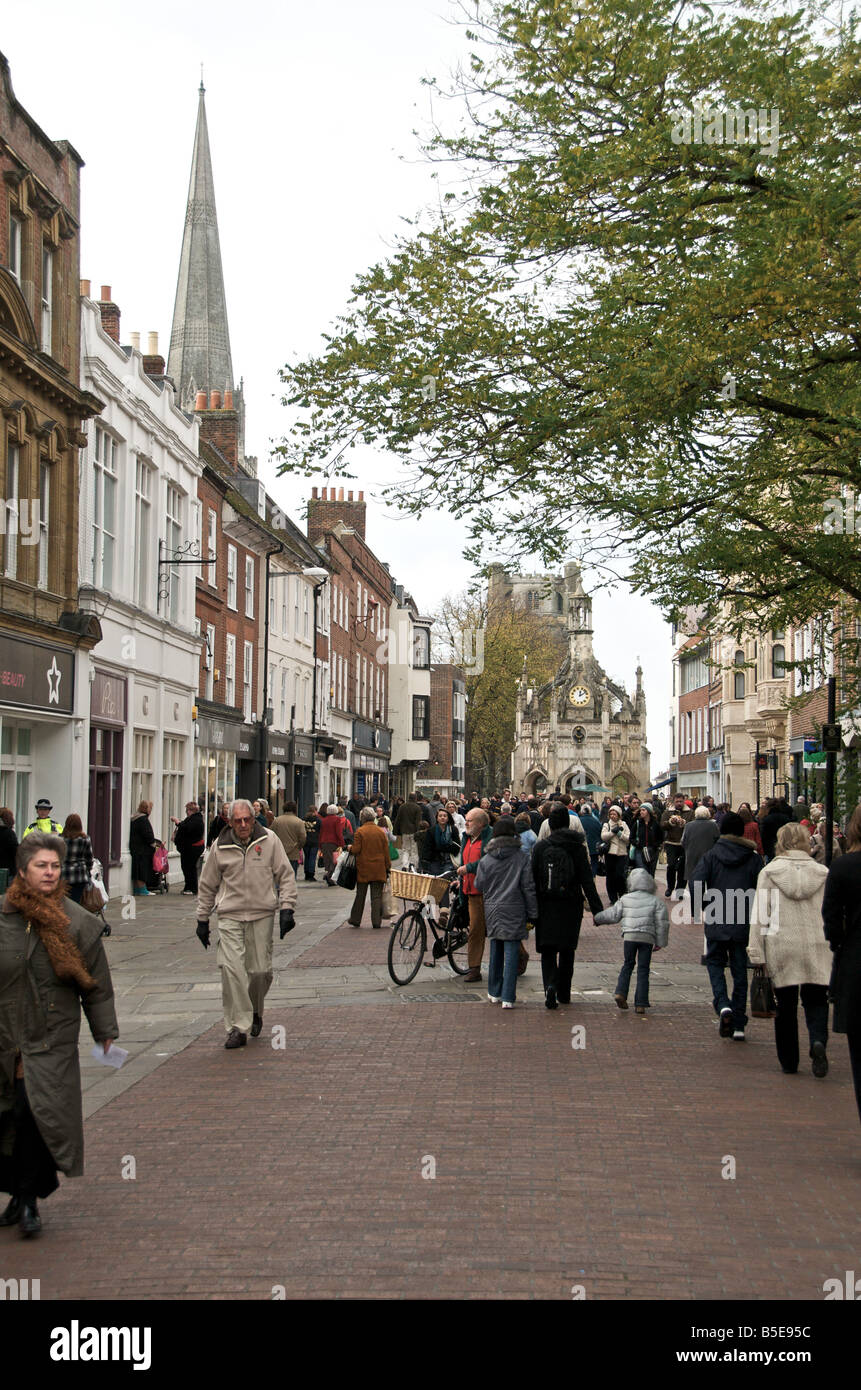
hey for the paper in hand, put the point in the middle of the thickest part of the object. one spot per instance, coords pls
(114, 1057)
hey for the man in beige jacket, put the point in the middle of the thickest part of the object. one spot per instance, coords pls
(291, 832)
(247, 877)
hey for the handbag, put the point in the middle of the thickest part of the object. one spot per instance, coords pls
(346, 872)
(92, 899)
(393, 852)
(763, 1001)
(387, 905)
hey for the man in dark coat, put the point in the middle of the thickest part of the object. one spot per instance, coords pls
(188, 838)
(729, 873)
(560, 908)
(216, 825)
(841, 915)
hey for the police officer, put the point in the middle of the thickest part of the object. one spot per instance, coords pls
(43, 819)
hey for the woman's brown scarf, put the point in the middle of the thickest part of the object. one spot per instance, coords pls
(45, 914)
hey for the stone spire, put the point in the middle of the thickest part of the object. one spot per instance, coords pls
(199, 358)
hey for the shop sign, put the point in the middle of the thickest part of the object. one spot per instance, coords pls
(108, 699)
(218, 733)
(41, 677)
(303, 751)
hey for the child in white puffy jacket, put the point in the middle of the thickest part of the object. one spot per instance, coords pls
(645, 928)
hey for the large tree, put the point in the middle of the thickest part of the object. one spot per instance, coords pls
(631, 325)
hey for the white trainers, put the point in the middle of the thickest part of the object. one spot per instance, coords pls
(495, 998)
(507, 1006)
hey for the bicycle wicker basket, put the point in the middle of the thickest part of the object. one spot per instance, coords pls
(417, 887)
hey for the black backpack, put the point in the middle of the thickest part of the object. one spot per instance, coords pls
(558, 877)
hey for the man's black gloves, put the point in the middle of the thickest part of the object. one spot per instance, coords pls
(286, 921)
(203, 934)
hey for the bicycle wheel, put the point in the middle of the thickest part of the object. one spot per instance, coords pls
(457, 942)
(407, 946)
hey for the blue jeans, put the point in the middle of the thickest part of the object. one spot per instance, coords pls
(641, 952)
(639, 861)
(717, 956)
(502, 970)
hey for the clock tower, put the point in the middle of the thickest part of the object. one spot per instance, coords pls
(581, 729)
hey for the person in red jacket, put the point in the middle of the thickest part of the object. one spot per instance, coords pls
(331, 840)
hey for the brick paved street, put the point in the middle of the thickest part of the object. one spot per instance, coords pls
(555, 1166)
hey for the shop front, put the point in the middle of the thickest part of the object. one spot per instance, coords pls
(108, 715)
(370, 759)
(303, 771)
(37, 741)
(216, 750)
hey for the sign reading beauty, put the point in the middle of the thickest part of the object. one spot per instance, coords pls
(35, 675)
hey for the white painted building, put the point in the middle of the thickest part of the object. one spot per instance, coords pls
(409, 650)
(138, 505)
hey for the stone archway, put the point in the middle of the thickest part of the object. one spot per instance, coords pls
(578, 777)
(623, 783)
(535, 782)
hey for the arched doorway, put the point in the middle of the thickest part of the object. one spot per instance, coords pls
(535, 782)
(579, 777)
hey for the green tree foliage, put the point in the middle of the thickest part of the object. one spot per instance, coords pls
(494, 641)
(624, 327)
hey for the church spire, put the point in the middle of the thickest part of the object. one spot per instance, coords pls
(199, 357)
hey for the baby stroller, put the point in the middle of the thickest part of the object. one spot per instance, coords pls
(160, 863)
(98, 881)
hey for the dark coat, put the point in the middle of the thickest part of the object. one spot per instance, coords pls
(189, 833)
(40, 1017)
(560, 919)
(768, 828)
(733, 866)
(698, 836)
(504, 876)
(8, 849)
(592, 830)
(841, 916)
(216, 825)
(141, 843)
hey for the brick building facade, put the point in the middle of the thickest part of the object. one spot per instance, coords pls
(445, 766)
(361, 591)
(44, 635)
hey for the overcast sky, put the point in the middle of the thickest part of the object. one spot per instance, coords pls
(311, 113)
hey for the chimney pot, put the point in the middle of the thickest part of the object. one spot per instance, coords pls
(85, 288)
(215, 400)
(314, 494)
(325, 494)
(361, 497)
(349, 496)
(340, 494)
(135, 339)
(106, 294)
(228, 400)
(200, 401)
(152, 339)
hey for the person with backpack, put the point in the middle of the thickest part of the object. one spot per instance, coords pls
(562, 877)
(645, 929)
(729, 871)
(504, 877)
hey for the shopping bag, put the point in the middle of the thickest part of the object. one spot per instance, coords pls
(346, 872)
(393, 852)
(388, 901)
(763, 1001)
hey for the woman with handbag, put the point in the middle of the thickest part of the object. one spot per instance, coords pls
(646, 839)
(77, 867)
(786, 938)
(331, 840)
(615, 837)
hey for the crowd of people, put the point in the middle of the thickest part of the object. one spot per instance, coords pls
(756, 880)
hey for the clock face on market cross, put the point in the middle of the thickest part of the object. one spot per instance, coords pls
(579, 695)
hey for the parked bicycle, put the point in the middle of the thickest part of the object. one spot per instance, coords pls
(420, 919)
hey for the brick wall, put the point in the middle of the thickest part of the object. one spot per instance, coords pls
(211, 604)
(327, 510)
(442, 678)
(221, 428)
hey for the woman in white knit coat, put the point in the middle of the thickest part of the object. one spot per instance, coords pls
(786, 937)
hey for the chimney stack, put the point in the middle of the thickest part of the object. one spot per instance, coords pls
(110, 314)
(330, 507)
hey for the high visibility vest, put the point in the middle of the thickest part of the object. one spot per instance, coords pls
(45, 825)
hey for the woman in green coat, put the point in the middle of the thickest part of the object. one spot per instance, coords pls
(51, 963)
